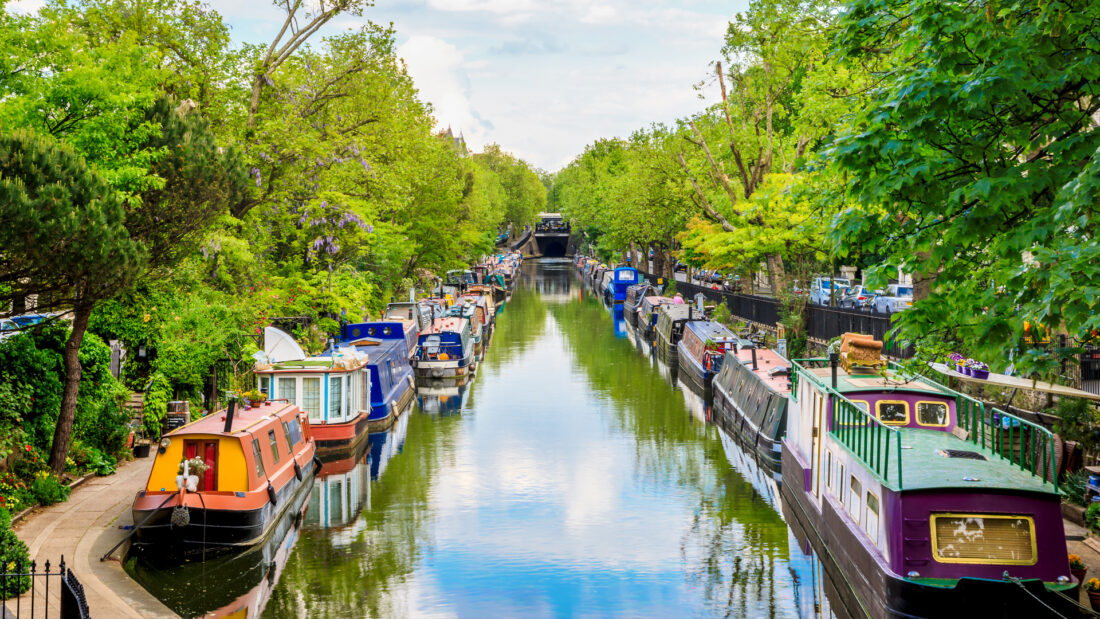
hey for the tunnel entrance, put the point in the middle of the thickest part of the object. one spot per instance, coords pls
(553, 249)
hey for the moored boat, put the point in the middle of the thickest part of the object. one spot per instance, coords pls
(925, 502)
(391, 377)
(621, 279)
(701, 350)
(632, 302)
(446, 349)
(647, 315)
(750, 400)
(671, 318)
(254, 462)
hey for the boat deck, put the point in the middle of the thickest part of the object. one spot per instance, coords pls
(924, 468)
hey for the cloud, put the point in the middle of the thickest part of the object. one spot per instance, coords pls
(538, 43)
(439, 71)
(25, 6)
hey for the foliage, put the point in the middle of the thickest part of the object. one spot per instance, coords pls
(975, 163)
(1074, 485)
(1092, 517)
(87, 458)
(721, 314)
(48, 490)
(14, 557)
(1075, 562)
(1078, 421)
(157, 395)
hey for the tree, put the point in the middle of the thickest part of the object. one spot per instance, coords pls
(976, 164)
(64, 233)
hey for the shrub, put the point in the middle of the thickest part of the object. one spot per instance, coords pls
(1092, 517)
(721, 313)
(157, 397)
(13, 557)
(47, 490)
(1074, 487)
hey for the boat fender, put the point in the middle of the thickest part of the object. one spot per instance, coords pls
(706, 361)
(316, 464)
(298, 470)
(272, 495)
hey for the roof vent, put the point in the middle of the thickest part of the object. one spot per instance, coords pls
(958, 453)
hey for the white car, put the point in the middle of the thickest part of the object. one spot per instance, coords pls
(821, 289)
(897, 298)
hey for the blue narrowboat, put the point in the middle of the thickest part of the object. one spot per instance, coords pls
(701, 349)
(386, 346)
(446, 349)
(623, 278)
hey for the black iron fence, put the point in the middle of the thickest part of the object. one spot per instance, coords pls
(41, 593)
(822, 323)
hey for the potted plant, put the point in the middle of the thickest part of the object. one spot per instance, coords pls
(1077, 567)
(193, 468)
(1092, 587)
(979, 370)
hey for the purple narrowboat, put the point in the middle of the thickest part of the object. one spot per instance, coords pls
(925, 502)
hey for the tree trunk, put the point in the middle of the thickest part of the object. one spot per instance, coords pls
(776, 274)
(59, 451)
(923, 282)
(658, 261)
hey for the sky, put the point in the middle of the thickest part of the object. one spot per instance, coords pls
(542, 78)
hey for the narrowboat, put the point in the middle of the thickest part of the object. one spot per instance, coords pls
(256, 461)
(701, 349)
(671, 318)
(647, 315)
(333, 391)
(634, 296)
(750, 400)
(603, 285)
(388, 363)
(446, 349)
(622, 278)
(922, 501)
(408, 313)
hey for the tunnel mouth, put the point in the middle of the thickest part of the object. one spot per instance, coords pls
(554, 249)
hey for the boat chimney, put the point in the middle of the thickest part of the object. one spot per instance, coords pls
(229, 416)
(754, 366)
(833, 362)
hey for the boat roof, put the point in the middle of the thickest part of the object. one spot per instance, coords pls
(214, 423)
(888, 381)
(708, 330)
(766, 360)
(626, 269)
(925, 468)
(323, 362)
(378, 350)
(677, 311)
(447, 324)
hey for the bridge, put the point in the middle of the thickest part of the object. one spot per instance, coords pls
(553, 236)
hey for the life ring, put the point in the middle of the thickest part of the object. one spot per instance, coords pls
(272, 495)
(297, 470)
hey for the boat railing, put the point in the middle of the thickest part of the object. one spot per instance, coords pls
(1023, 443)
(868, 438)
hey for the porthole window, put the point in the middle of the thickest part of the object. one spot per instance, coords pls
(370, 331)
(387, 331)
(356, 332)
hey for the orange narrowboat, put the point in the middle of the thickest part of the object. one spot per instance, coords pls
(224, 480)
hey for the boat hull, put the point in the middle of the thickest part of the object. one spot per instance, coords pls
(768, 449)
(384, 414)
(333, 437)
(865, 585)
(215, 527)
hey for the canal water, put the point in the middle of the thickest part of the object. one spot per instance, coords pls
(571, 478)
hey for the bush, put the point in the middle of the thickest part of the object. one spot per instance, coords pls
(13, 556)
(14, 494)
(157, 397)
(1092, 517)
(47, 490)
(721, 313)
(1074, 487)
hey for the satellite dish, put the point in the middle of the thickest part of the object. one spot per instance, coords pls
(280, 347)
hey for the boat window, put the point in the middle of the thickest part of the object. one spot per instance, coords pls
(892, 411)
(274, 446)
(932, 414)
(840, 484)
(386, 330)
(265, 385)
(859, 421)
(335, 396)
(289, 438)
(828, 468)
(983, 538)
(871, 522)
(311, 398)
(258, 456)
(856, 490)
(366, 390)
(295, 431)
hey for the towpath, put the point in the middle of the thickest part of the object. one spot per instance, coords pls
(83, 529)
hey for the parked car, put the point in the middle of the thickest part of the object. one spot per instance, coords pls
(28, 320)
(858, 297)
(822, 287)
(8, 328)
(896, 298)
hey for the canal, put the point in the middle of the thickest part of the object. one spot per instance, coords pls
(570, 478)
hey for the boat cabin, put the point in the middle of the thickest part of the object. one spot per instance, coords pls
(448, 339)
(623, 278)
(329, 390)
(671, 318)
(406, 312)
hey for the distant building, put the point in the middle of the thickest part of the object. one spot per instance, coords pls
(457, 143)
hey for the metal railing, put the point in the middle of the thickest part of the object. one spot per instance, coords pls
(862, 433)
(1023, 443)
(42, 593)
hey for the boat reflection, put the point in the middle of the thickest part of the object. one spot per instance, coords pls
(695, 400)
(443, 396)
(384, 446)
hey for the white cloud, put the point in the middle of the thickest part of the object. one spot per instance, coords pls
(25, 6)
(438, 69)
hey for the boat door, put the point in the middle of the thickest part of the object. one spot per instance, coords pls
(816, 437)
(208, 451)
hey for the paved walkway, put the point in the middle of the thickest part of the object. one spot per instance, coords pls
(83, 529)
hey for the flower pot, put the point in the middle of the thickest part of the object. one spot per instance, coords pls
(141, 450)
(982, 374)
(1094, 597)
(960, 368)
(1079, 573)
